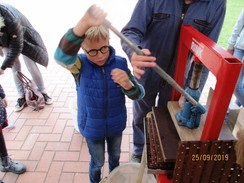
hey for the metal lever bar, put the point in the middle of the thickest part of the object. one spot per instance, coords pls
(157, 69)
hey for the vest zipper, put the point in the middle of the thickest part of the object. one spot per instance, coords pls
(105, 101)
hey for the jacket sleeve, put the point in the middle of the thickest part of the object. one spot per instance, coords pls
(137, 92)
(66, 52)
(136, 28)
(15, 36)
(239, 26)
(2, 93)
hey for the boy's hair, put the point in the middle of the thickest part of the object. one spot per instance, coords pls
(97, 33)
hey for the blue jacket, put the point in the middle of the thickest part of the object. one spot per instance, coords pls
(155, 25)
(101, 102)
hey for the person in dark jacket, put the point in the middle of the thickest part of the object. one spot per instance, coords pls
(18, 36)
(102, 81)
(6, 163)
(155, 27)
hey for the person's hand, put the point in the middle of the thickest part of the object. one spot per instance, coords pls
(140, 61)
(94, 16)
(121, 77)
(1, 72)
(230, 51)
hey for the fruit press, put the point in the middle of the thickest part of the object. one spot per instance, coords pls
(192, 144)
(183, 147)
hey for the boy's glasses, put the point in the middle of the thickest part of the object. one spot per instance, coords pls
(94, 52)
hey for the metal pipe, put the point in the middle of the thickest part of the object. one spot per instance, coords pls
(157, 69)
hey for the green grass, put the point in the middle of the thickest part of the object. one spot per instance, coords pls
(233, 10)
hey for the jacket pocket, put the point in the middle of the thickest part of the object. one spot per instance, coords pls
(202, 23)
(160, 16)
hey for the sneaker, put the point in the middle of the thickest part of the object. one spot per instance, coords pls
(21, 104)
(8, 165)
(48, 100)
(136, 158)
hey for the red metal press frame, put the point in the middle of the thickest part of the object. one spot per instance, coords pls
(221, 64)
(224, 66)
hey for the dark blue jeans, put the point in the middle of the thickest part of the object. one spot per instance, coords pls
(97, 152)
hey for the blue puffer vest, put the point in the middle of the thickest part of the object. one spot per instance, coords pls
(101, 102)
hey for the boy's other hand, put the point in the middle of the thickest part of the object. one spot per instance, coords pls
(121, 77)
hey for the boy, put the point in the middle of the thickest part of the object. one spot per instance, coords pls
(102, 81)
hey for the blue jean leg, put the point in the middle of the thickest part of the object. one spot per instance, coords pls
(114, 150)
(239, 90)
(97, 152)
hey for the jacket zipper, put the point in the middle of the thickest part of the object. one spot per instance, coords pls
(182, 18)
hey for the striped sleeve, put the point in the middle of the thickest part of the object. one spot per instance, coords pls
(66, 52)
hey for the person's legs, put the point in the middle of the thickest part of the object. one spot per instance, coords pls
(37, 77)
(7, 165)
(16, 67)
(21, 103)
(239, 90)
(3, 148)
(35, 73)
(114, 150)
(97, 152)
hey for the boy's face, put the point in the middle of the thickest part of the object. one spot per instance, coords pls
(97, 51)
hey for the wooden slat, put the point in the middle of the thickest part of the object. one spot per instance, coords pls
(157, 160)
(190, 165)
(241, 178)
(168, 135)
(221, 159)
(180, 162)
(235, 174)
(204, 149)
(209, 166)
